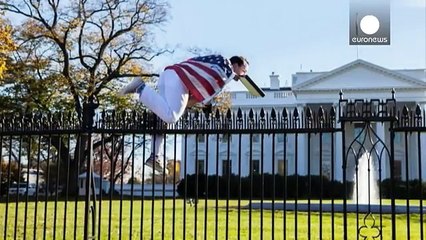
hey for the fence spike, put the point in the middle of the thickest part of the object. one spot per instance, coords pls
(405, 111)
(296, 113)
(333, 112)
(285, 114)
(239, 114)
(321, 113)
(251, 114)
(262, 113)
(273, 114)
(309, 113)
(418, 110)
(229, 114)
(217, 115)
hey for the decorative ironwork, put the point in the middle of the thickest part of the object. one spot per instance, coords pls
(369, 231)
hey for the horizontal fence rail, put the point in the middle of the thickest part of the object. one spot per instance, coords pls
(352, 170)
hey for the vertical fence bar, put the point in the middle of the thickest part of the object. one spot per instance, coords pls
(58, 175)
(37, 180)
(153, 155)
(28, 177)
(164, 179)
(47, 187)
(89, 162)
(217, 189)
(251, 185)
(297, 186)
(262, 183)
(101, 173)
(228, 182)
(206, 197)
(332, 187)
(186, 185)
(381, 192)
(344, 160)
(67, 188)
(419, 156)
(174, 186)
(239, 186)
(392, 176)
(111, 186)
(196, 165)
(143, 186)
(321, 185)
(309, 186)
(77, 173)
(273, 188)
(88, 125)
(285, 196)
(26, 187)
(407, 185)
(28, 182)
(121, 146)
(132, 156)
(6, 215)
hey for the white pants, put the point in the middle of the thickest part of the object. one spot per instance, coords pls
(168, 104)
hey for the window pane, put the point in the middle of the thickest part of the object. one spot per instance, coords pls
(255, 166)
(226, 167)
(201, 167)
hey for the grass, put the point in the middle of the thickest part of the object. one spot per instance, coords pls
(264, 224)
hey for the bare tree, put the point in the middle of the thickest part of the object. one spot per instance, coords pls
(85, 45)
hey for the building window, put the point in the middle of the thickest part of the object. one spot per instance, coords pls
(398, 138)
(250, 96)
(255, 138)
(255, 166)
(226, 167)
(326, 138)
(280, 138)
(225, 137)
(359, 131)
(201, 166)
(201, 138)
(282, 167)
(397, 165)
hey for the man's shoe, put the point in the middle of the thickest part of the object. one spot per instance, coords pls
(154, 163)
(135, 86)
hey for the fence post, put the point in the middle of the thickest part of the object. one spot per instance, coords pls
(89, 108)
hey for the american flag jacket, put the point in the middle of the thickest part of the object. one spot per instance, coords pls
(204, 76)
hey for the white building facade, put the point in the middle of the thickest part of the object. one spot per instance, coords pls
(301, 153)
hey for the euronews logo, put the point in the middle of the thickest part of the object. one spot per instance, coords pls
(369, 22)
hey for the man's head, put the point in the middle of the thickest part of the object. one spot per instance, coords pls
(239, 65)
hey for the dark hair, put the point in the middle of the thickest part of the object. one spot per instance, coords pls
(238, 60)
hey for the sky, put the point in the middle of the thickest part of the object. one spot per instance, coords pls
(286, 37)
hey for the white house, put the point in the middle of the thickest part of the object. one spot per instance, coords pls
(358, 79)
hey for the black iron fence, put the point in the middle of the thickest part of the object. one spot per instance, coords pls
(351, 170)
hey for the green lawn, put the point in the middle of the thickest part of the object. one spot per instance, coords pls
(186, 229)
